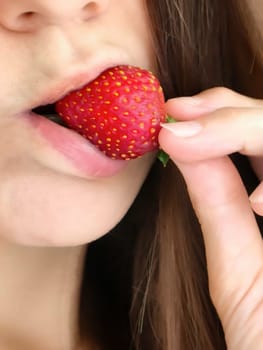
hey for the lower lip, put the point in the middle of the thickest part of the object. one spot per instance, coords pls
(86, 157)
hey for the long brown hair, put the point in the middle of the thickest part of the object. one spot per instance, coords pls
(145, 284)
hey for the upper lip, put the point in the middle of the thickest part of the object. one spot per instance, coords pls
(73, 81)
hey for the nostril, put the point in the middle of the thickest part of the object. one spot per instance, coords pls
(32, 15)
(92, 9)
(90, 6)
(25, 21)
(28, 15)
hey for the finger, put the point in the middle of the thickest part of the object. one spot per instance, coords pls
(185, 108)
(256, 199)
(223, 131)
(233, 242)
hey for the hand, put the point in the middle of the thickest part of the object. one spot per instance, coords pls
(210, 126)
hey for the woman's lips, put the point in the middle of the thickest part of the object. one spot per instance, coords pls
(86, 157)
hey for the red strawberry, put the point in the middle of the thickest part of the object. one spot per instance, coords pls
(120, 112)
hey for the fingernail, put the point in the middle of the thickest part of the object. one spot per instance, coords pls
(183, 129)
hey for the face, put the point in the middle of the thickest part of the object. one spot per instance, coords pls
(55, 188)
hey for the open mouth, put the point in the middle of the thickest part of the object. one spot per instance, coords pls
(49, 112)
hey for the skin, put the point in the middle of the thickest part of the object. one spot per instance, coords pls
(235, 276)
(64, 38)
(209, 127)
(46, 201)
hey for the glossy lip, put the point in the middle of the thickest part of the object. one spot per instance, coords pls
(81, 153)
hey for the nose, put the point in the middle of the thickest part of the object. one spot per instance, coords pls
(30, 15)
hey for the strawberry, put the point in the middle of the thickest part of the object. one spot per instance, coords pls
(119, 112)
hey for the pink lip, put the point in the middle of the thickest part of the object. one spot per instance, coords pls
(81, 153)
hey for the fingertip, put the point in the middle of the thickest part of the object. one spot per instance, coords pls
(182, 108)
(183, 129)
(167, 142)
(256, 200)
(164, 138)
(257, 208)
(180, 140)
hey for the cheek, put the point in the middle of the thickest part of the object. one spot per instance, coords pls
(16, 66)
(128, 25)
(43, 208)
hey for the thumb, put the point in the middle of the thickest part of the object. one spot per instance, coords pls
(234, 248)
